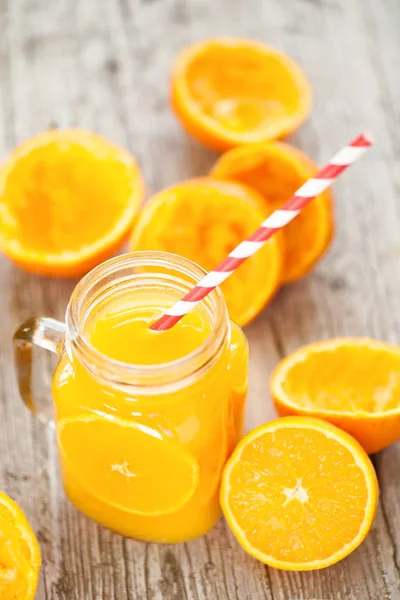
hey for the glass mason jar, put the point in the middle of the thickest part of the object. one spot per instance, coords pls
(142, 446)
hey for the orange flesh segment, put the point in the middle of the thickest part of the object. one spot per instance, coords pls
(204, 220)
(348, 379)
(53, 189)
(230, 91)
(299, 496)
(238, 87)
(66, 196)
(277, 171)
(129, 465)
(19, 553)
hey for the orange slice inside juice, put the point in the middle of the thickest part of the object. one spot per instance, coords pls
(128, 465)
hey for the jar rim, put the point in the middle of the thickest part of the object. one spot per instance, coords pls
(121, 374)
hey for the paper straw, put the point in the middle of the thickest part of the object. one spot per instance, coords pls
(279, 218)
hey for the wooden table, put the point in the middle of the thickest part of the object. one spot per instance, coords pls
(103, 65)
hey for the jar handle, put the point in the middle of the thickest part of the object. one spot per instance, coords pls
(43, 332)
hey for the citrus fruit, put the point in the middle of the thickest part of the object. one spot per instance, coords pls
(68, 199)
(352, 382)
(277, 170)
(299, 493)
(127, 464)
(230, 91)
(205, 219)
(19, 553)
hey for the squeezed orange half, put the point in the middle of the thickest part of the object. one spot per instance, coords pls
(146, 460)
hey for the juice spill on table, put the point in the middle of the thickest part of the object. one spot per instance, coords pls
(148, 465)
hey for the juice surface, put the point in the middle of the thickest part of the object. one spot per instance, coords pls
(148, 465)
(121, 330)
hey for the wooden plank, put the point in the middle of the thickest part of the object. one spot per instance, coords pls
(103, 65)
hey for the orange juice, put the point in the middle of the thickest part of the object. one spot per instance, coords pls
(146, 420)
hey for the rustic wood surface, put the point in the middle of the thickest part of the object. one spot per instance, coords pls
(103, 65)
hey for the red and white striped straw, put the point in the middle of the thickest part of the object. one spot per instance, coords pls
(278, 219)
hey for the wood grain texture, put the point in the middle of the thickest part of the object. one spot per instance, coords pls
(103, 65)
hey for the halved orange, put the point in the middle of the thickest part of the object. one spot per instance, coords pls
(204, 219)
(229, 91)
(19, 553)
(128, 465)
(352, 382)
(277, 170)
(68, 199)
(299, 494)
